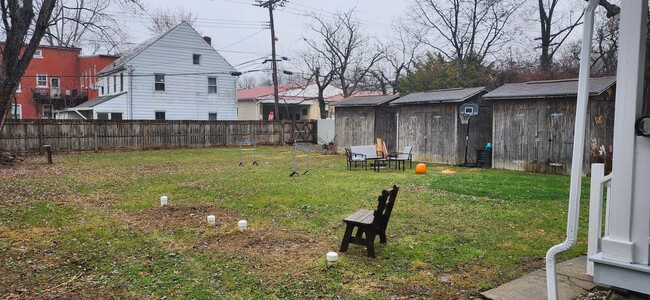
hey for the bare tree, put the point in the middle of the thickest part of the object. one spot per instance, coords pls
(463, 30)
(321, 69)
(401, 54)
(17, 19)
(162, 21)
(556, 25)
(89, 23)
(350, 52)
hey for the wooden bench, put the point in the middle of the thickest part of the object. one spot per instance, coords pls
(370, 223)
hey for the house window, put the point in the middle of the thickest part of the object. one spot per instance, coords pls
(109, 116)
(196, 59)
(41, 80)
(212, 85)
(108, 85)
(212, 116)
(160, 115)
(159, 82)
(38, 53)
(47, 111)
(304, 111)
(121, 82)
(18, 89)
(101, 90)
(16, 111)
(115, 83)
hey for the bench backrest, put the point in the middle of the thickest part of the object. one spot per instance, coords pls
(406, 154)
(392, 196)
(381, 207)
(369, 151)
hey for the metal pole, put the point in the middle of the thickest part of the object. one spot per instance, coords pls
(467, 140)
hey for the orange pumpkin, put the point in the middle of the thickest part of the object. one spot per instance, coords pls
(420, 169)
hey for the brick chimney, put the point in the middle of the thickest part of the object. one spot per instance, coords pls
(208, 40)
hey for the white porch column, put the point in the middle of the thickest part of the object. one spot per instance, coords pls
(618, 245)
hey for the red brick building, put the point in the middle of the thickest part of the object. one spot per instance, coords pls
(57, 78)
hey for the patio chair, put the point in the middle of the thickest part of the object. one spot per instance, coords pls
(355, 158)
(403, 157)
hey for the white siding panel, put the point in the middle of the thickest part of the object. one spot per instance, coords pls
(186, 84)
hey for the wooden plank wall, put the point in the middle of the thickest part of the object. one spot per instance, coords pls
(480, 131)
(29, 136)
(354, 126)
(431, 130)
(385, 126)
(537, 135)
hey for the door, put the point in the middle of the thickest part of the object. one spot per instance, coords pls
(55, 87)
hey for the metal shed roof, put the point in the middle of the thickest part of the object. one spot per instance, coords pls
(440, 96)
(548, 89)
(365, 100)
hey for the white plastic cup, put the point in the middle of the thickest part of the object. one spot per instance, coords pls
(242, 224)
(211, 219)
(332, 257)
(163, 200)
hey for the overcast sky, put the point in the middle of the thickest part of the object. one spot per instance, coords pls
(238, 28)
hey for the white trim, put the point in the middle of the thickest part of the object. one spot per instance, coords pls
(38, 53)
(46, 81)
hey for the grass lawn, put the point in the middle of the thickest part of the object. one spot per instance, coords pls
(91, 226)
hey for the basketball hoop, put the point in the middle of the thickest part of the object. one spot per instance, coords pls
(464, 118)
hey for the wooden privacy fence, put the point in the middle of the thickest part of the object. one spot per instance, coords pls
(29, 136)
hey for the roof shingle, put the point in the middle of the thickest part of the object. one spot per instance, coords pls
(440, 96)
(549, 89)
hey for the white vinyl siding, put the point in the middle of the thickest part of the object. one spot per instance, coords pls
(185, 97)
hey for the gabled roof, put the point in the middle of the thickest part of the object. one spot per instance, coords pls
(120, 63)
(365, 100)
(549, 89)
(98, 100)
(440, 96)
(263, 91)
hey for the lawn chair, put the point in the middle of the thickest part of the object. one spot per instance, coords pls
(403, 157)
(370, 223)
(355, 158)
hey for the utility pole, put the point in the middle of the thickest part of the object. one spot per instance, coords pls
(270, 4)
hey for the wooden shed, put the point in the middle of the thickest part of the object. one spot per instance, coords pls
(429, 122)
(534, 124)
(361, 119)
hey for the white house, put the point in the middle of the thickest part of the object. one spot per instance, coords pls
(174, 76)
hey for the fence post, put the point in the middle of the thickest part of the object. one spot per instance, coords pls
(40, 136)
(595, 213)
(226, 133)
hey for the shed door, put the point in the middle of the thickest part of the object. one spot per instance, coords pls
(558, 139)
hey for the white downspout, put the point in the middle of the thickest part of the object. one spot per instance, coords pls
(130, 95)
(578, 153)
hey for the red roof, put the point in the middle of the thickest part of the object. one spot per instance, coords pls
(263, 91)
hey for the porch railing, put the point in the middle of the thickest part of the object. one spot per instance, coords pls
(600, 189)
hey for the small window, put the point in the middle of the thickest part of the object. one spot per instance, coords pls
(38, 53)
(160, 115)
(212, 85)
(114, 83)
(116, 116)
(101, 88)
(108, 85)
(159, 82)
(16, 112)
(102, 116)
(212, 116)
(47, 111)
(304, 111)
(41, 80)
(196, 59)
(18, 90)
(121, 82)
(297, 117)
